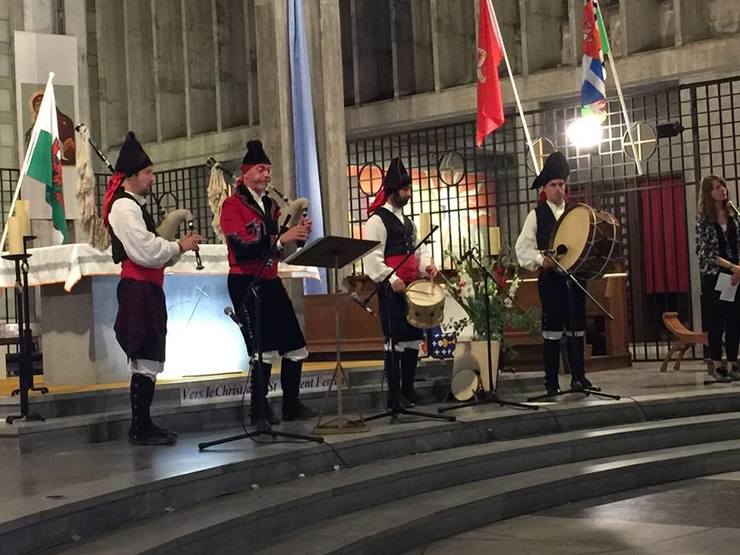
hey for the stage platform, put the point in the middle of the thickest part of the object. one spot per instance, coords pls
(398, 486)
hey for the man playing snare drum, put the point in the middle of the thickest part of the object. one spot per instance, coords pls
(397, 236)
(535, 237)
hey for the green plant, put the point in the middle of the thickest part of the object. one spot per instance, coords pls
(467, 287)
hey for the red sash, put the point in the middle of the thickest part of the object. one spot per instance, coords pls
(131, 270)
(409, 270)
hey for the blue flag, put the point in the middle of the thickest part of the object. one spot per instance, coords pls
(304, 133)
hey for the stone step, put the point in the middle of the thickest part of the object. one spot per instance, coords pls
(402, 525)
(56, 405)
(254, 516)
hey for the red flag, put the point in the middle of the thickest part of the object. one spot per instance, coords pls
(490, 54)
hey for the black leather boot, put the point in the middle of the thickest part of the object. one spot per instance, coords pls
(260, 409)
(578, 379)
(290, 380)
(409, 363)
(551, 355)
(143, 431)
(392, 368)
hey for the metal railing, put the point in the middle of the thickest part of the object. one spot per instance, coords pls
(466, 189)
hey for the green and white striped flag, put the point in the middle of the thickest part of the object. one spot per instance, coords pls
(43, 162)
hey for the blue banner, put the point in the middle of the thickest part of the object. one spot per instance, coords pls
(304, 133)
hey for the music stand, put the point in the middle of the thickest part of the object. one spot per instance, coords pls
(333, 252)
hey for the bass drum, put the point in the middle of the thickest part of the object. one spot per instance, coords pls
(465, 382)
(591, 237)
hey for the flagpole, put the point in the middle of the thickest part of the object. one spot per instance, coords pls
(494, 22)
(599, 21)
(26, 162)
(613, 67)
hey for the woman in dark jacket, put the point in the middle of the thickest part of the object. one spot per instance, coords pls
(718, 237)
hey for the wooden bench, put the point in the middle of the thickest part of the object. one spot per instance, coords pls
(684, 339)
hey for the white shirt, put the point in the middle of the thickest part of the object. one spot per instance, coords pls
(375, 230)
(258, 198)
(527, 253)
(141, 245)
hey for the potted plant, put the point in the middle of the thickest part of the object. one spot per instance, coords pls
(468, 288)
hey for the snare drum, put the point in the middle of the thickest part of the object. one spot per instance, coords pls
(425, 303)
(591, 237)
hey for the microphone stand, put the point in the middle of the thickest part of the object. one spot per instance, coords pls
(487, 397)
(394, 411)
(571, 309)
(263, 427)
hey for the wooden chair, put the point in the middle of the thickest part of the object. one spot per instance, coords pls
(684, 338)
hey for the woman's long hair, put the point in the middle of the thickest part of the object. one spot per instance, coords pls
(707, 208)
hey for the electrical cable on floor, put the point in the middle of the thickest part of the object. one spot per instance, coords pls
(558, 427)
(639, 406)
(242, 412)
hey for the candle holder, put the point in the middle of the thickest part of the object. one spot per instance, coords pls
(25, 337)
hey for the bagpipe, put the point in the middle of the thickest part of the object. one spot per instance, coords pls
(292, 211)
(171, 219)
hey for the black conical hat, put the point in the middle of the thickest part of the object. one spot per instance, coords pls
(556, 167)
(131, 157)
(255, 154)
(396, 177)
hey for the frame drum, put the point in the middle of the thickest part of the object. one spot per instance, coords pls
(464, 384)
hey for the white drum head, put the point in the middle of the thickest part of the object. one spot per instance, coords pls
(425, 293)
(573, 231)
(464, 384)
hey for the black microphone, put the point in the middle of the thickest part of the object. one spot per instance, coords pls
(231, 314)
(356, 298)
(560, 250)
(467, 254)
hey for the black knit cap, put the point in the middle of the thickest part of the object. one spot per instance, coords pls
(131, 157)
(396, 177)
(556, 167)
(255, 154)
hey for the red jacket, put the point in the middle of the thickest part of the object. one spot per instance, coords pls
(249, 233)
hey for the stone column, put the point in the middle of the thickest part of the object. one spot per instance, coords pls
(323, 36)
(273, 87)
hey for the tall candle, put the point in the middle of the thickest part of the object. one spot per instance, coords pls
(15, 238)
(425, 224)
(494, 240)
(21, 212)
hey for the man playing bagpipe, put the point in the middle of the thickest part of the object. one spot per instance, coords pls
(141, 322)
(250, 222)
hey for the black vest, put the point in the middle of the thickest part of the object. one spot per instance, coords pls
(545, 225)
(728, 247)
(400, 239)
(119, 254)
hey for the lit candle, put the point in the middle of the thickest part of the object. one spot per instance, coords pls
(15, 238)
(425, 224)
(494, 240)
(21, 212)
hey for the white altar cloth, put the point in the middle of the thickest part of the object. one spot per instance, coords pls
(68, 264)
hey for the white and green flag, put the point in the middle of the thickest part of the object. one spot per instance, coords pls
(42, 166)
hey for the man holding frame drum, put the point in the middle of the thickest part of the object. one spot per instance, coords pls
(532, 252)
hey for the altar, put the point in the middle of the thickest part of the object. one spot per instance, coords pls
(78, 306)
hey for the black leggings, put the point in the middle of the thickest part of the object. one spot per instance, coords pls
(721, 316)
